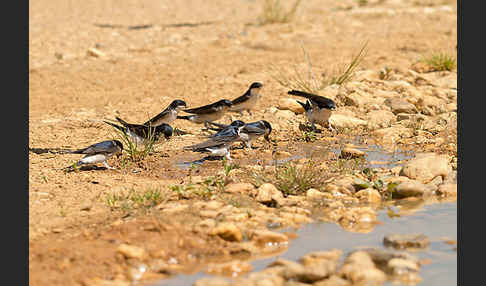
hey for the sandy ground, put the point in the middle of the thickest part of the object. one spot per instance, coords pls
(198, 51)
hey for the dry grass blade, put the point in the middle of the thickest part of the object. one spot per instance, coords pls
(298, 80)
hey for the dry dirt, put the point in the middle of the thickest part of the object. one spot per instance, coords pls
(195, 50)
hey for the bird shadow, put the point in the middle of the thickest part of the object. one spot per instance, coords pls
(308, 128)
(49, 150)
(69, 169)
(200, 161)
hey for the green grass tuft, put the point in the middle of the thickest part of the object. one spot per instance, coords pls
(440, 62)
(274, 12)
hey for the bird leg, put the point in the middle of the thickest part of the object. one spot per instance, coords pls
(108, 166)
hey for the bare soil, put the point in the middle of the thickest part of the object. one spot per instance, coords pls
(155, 52)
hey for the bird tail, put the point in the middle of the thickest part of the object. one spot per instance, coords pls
(114, 125)
(300, 93)
(123, 122)
(305, 105)
(186, 117)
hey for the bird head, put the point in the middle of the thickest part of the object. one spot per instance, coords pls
(237, 123)
(178, 104)
(226, 102)
(268, 130)
(119, 145)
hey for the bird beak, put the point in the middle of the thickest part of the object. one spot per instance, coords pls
(267, 137)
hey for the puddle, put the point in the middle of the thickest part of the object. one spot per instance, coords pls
(375, 156)
(436, 221)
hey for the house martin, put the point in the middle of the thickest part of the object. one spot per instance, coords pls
(317, 108)
(218, 145)
(249, 132)
(210, 112)
(99, 153)
(142, 134)
(168, 115)
(248, 100)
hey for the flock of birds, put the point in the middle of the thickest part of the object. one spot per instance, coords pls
(317, 110)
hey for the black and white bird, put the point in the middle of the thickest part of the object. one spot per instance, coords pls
(219, 144)
(248, 100)
(143, 134)
(206, 113)
(249, 132)
(317, 108)
(167, 115)
(99, 153)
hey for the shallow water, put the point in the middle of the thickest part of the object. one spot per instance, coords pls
(436, 221)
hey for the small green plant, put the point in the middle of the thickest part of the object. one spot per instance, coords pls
(347, 166)
(309, 136)
(440, 61)
(134, 199)
(133, 150)
(274, 12)
(339, 75)
(291, 179)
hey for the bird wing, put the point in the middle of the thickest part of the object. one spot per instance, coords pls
(216, 141)
(101, 147)
(219, 126)
(254, 128)
(241, 98)
(210, 108)
(157, 117)
(320, 101)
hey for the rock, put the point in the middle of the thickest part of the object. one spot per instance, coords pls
(350, 153)
(333, 280)
(211, 205)
(412, 117)
(447, 190)
(227, 231)
(354, 99)
(392, 134)
(358, 219)
(209, 213)
(291, 270)
(212, 281)
(381, 257)
(436, 104)
(207, 223)
(369, 75)
(262, 278)
(345, 121)
(400, 241)
(332, 255)
(232, 269)
(285, 114)
(411, 188)
(268, 194)
(426, 166)
(267, 238)
(360, 184)
(368, 195)
(131, 251)
(102, 282)
(343, 184)
(171, 207)
(240, 188)
(360, 269)
(399, 266)
(314, 194)
(400, 105)
(95, 53)
(290, 104)
(380, 118)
